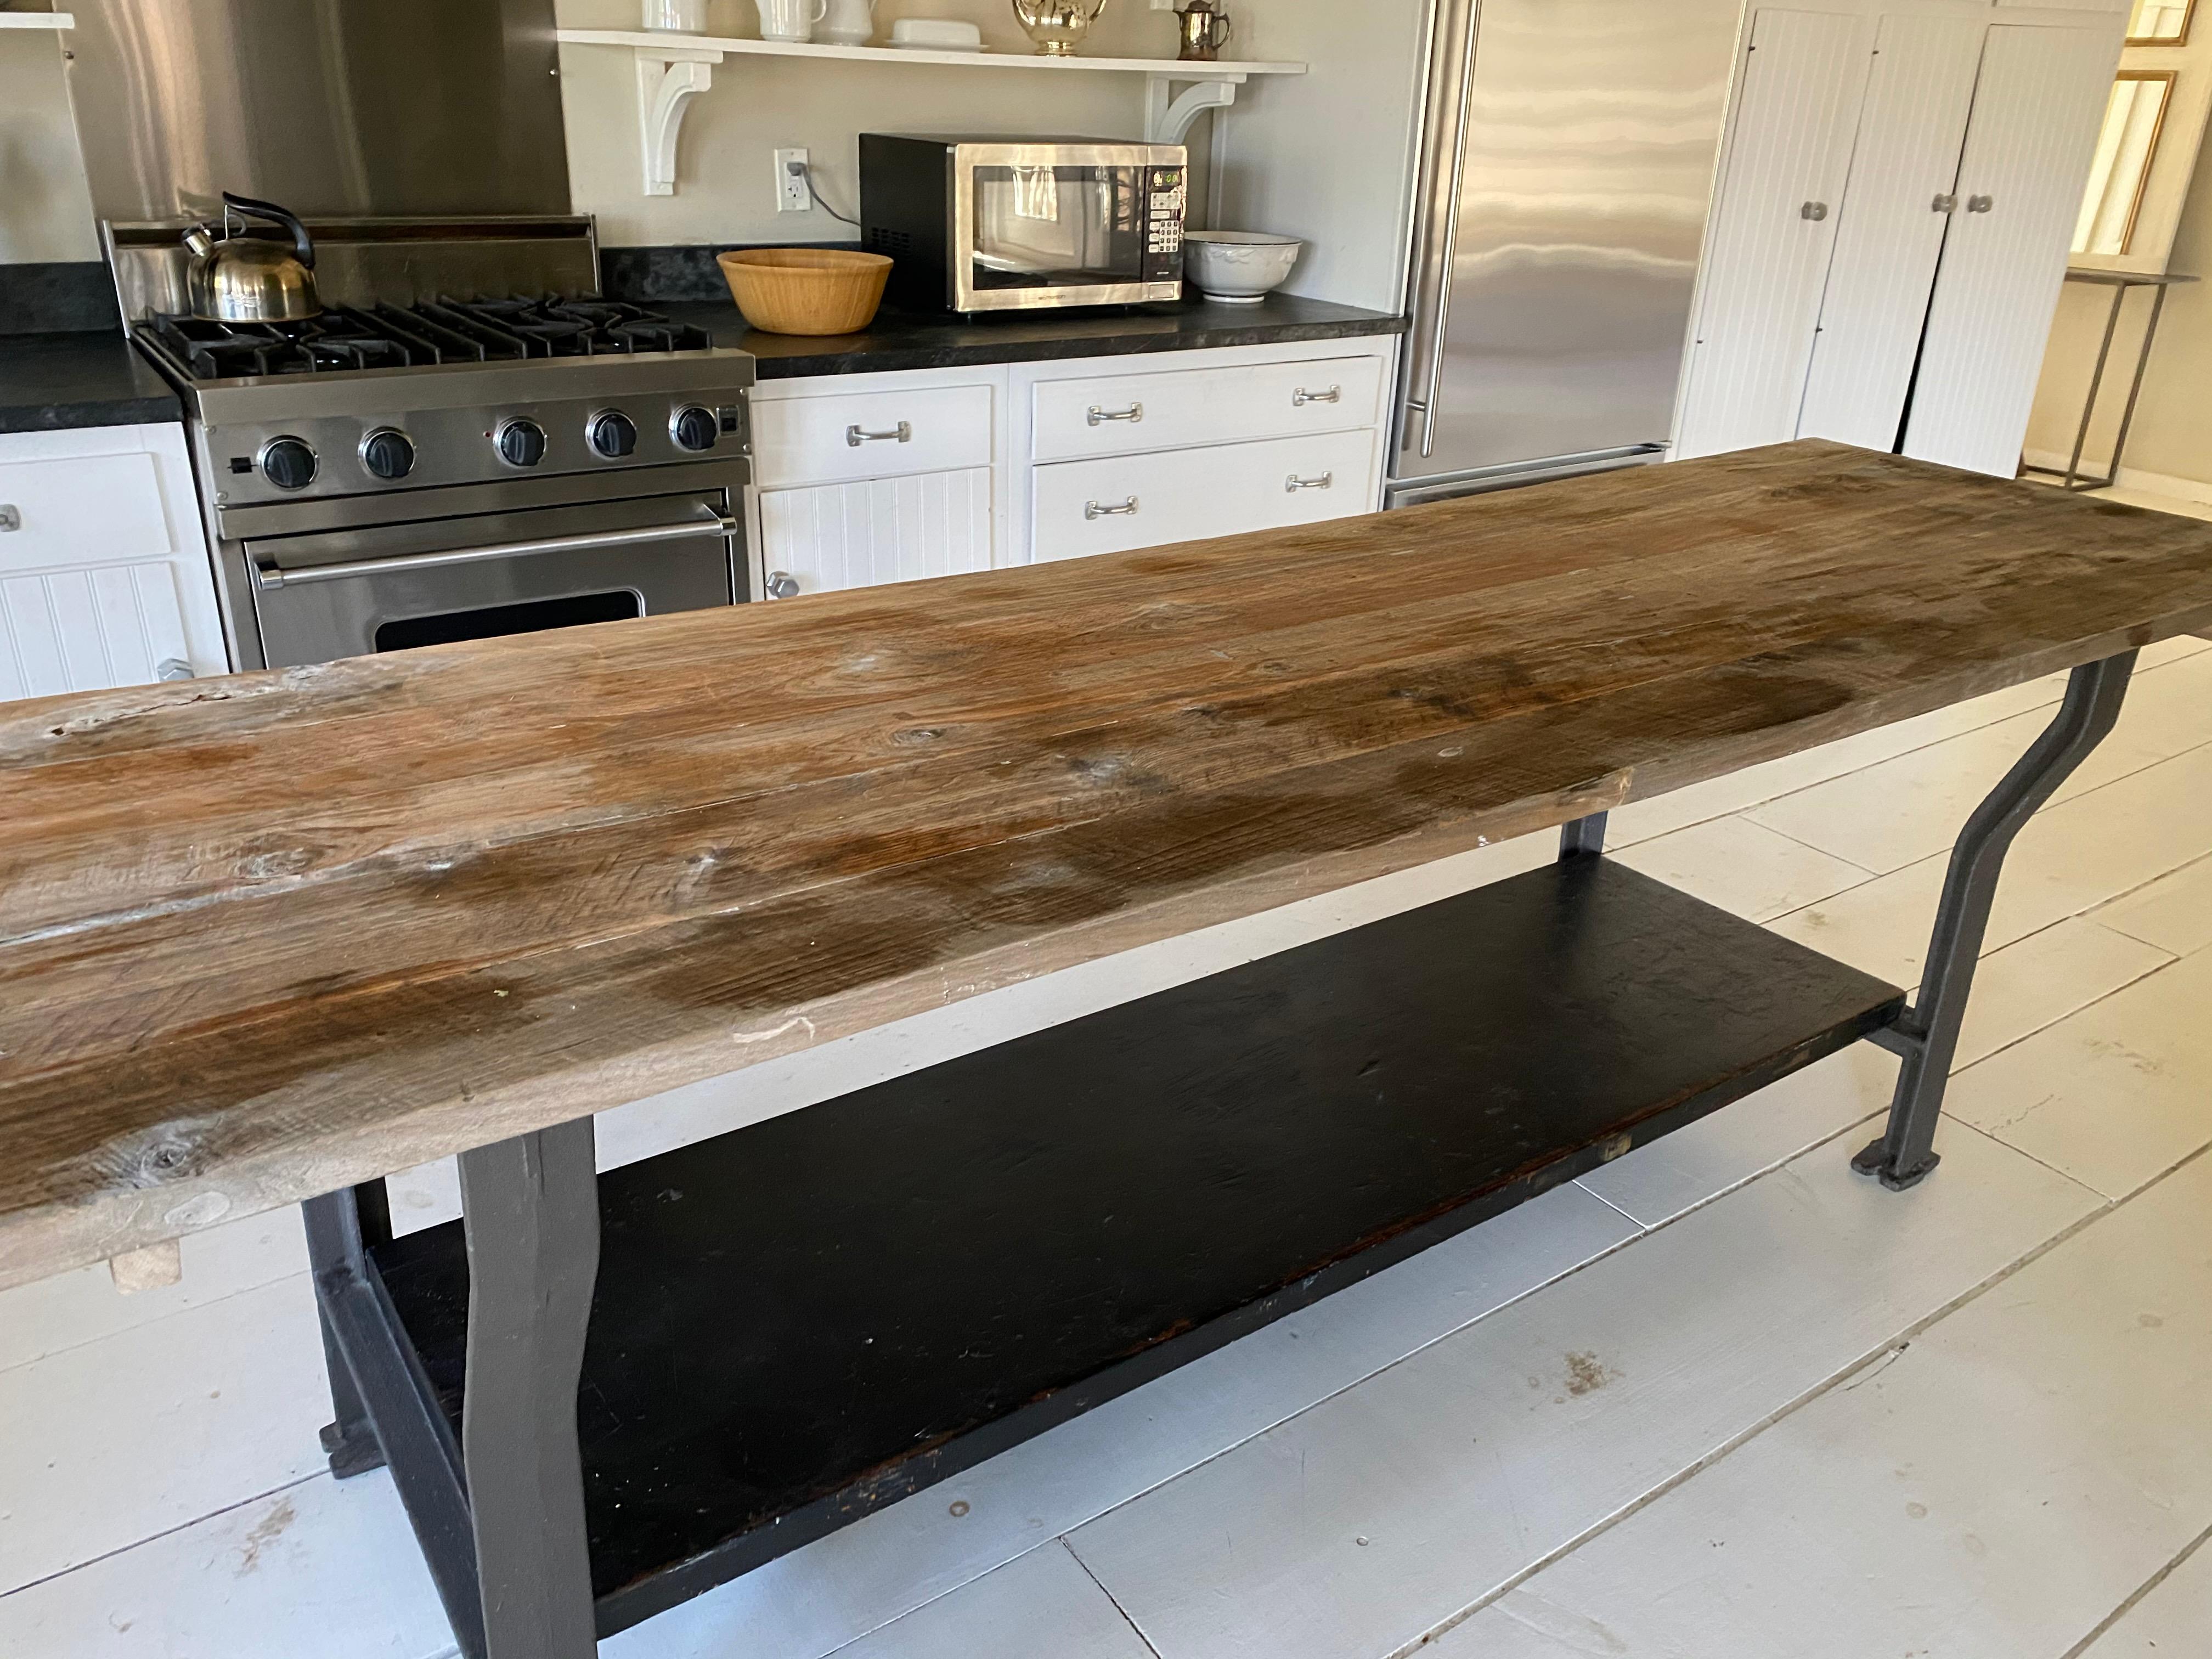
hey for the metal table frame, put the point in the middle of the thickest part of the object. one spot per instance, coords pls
(500, 1514)
(2121, 283)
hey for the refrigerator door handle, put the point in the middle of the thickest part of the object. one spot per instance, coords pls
(1425, 404)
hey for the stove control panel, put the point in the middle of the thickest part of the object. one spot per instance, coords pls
(315, 456)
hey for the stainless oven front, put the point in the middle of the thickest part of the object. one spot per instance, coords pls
(479, 561)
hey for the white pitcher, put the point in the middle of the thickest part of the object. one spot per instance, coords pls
(848, 22)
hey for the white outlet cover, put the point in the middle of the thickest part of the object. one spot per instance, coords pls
(793, 195)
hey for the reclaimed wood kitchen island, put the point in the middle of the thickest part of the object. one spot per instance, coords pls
(265, 939)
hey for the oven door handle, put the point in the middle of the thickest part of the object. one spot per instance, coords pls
(269, 574)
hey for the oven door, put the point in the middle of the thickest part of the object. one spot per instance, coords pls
(1066, 225)
(352, 593)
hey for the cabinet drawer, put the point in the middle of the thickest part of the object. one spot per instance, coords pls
(100, 509)
(1125, 414)
(871, 434)
(884, 530)
(1081, 508)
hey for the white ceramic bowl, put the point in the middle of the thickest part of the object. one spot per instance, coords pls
(1240, 266)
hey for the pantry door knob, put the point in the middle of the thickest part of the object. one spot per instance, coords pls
(782, 585)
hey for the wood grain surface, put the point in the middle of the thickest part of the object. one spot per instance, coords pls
(263, 936)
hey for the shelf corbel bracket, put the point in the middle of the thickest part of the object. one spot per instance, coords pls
(1168, 115)
(668, 77)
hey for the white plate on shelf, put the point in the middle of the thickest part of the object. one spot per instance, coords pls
(931, 46)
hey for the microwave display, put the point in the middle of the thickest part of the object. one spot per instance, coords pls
(1071, 227)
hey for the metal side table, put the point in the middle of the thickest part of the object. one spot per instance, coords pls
(2121, 283)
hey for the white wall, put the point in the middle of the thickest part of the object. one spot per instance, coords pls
(46, 210)
(1329, 155)
(725, 188)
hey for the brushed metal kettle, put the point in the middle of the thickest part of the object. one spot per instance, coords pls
(241, 278)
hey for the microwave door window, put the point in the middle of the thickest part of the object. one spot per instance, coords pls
(1046, 226)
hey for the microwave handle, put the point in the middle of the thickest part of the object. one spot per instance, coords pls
(269, 574)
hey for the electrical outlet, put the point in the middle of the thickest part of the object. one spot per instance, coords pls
(794, 194)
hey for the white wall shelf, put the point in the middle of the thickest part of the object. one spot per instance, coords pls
(37, 19)
(673, 69)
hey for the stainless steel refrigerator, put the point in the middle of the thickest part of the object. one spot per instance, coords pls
(1567, 166)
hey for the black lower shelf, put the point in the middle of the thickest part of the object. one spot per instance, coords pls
(800, 1322)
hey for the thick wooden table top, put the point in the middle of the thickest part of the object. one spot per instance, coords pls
(265, 936)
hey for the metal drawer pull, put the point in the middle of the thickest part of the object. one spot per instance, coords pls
(782, 585)
(1301, 397)
(1980, 203)
(1816, 211)
(1134, 412)
(1327, 481)
(902, 433)
(173, 668)
(11, 518)
(1092, 510)
(269, 574)
(1944, 203)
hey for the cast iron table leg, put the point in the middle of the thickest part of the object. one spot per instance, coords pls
(1928, 1033)
(530, 1210)
(1583, 836)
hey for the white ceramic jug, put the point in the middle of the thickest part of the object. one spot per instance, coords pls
(848, 22)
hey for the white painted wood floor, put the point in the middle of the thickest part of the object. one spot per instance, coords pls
(1720, 1400)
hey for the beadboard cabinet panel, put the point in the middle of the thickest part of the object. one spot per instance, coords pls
(878, 530)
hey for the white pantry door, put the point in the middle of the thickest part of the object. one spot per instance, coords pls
(1904, 167)
(2029, 144)
(1774, 224)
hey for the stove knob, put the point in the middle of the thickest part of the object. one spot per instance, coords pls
(694, 428)
(612, 433)
(521, 442)
(388, 452)
(288, 463)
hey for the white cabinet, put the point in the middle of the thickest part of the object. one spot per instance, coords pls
(1111, 506)
(1789, 151)
(104, 574)
(1116, 414)
(1958, 138)
(2026, 163)
(1890, 235)
(873, 478)
(884, 530)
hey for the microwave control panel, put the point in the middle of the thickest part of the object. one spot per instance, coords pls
(1163, 212)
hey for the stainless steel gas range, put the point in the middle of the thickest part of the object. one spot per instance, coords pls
(388, 476)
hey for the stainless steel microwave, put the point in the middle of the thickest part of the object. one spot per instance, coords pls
(1015, 224)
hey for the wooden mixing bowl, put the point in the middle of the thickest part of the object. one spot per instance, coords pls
(806, 291)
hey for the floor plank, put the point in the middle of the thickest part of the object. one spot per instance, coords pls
(1378, 1515)
(2045, 978)
(2173, 913)
(2174, 1620)
(1991, 1493)
(115, 1440)
(2072, 858)
(1656, 1182)
(1744, 867)
(1886, 817)
(1041, 1606)
(50, 1315)
(323, 1568)
(2114, 1094)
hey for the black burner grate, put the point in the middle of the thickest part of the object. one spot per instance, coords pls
(347, 337)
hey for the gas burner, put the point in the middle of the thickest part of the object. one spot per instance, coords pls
(346, 339)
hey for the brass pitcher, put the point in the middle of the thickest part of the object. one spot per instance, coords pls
(1203, 28)
(1058, 26)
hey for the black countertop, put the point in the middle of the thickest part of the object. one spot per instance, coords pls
(50, 382)
(908, 340)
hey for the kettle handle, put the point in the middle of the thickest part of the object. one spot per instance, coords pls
(303, 246)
